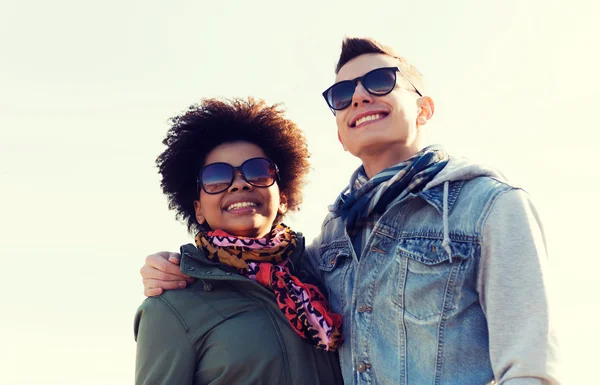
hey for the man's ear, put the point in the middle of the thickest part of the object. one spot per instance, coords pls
(426, 110)
(282, 203)
(199, 216)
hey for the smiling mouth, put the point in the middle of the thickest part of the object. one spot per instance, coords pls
(368, 118)
(240, 205)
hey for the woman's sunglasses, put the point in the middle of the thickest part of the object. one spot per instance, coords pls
(378, 82)
(218, 177)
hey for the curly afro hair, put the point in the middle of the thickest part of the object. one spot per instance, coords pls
(212, 122)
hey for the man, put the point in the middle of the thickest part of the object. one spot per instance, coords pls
(437, 265)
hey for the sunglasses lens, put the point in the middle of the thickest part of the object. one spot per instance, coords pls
(377, 82)
(340, 95)
(380, 81)
(259, 172)
(216, 177)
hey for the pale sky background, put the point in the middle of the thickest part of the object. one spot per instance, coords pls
(86, 90)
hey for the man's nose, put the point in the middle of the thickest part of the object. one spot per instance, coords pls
(361, 95)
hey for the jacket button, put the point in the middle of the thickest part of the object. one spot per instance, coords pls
(362, 367)
(191, 268)
(208, 287)
(332, 262)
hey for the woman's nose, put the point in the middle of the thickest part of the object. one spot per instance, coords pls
(239, 183)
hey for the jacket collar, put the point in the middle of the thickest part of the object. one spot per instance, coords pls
(435, 195)
(195, 264)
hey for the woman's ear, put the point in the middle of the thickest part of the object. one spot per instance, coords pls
(282, 204)
(199, 216)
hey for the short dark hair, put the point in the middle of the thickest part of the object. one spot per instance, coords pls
(213, 122)
(353, 47)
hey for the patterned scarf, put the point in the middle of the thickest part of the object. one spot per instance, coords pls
(366, 200)
(263, 260)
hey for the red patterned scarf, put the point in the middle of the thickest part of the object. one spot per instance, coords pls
(263, 260)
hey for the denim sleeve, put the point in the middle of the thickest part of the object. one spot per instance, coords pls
(513, 285)
(304, 264)
(164, 353)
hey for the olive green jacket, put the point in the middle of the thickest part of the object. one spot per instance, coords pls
(224, 329)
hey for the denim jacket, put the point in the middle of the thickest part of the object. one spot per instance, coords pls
(451, 287)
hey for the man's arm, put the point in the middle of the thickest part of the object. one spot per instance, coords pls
(311, 259)
(161, 272)
(513, 285)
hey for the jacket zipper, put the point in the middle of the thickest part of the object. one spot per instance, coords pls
(277, 330)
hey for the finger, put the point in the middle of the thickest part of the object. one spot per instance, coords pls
(148, 272)
(175, 258)
(165, 285)
(167, 254)
(162, 255)
(159, 262)
(153, 292)
(156, 257)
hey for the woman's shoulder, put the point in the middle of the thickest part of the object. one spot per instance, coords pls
(185, 307)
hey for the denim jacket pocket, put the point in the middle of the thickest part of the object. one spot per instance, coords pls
(331, 255)
(334, 272)
(430, 287)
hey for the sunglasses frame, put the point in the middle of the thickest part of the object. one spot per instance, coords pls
(238, 168)
(361, 79)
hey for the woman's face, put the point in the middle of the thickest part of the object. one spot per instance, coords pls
(242, 209)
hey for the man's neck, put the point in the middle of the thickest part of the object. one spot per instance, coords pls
(376, 162)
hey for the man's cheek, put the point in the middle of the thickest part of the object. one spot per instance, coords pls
(341, 141)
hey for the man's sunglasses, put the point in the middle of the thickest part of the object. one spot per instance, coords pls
(218, 177)
(378, 82)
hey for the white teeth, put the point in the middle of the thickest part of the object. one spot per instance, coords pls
(367, 118)
(239, 205)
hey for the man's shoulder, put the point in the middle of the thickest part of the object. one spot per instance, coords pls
(471, 173)
(487, 183)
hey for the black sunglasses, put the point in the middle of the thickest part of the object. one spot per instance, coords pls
(218, 177)
(378, 82)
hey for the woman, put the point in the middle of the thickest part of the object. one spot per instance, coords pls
(231, 170)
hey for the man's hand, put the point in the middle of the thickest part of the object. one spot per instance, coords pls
(161, 272)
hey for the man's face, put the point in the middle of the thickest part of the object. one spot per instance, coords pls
(372, 124)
